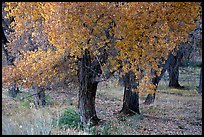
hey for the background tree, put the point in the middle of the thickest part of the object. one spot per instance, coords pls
(181, 57)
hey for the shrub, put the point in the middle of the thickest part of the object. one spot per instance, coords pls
(69, 119)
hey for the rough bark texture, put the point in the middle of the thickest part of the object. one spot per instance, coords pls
(182, 57)
(87, 91)
(39, 97)
(130, 99)
(173, 69)
(151, 97)
(200, 83)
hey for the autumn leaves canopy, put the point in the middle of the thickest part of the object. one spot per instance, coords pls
(135, 36)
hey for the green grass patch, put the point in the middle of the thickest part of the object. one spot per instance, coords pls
(49, 100)
(105, 129)
(69, 119)
(68, 101)
(26, 102)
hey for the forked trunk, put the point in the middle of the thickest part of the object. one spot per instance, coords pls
(87, 91)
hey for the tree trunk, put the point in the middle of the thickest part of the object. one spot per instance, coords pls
(151, 97)
(39, 97)
(200, 83)
(130, 98)
(8, 58)
(87, 91)
(173, 70)
(14, 91)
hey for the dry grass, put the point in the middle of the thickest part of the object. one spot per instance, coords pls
(179, 114)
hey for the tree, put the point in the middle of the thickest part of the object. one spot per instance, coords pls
(173, 70)
(87, 91)
(92, 37)
(179, 58)
(8, 58)
(39, 96)
(151, 97)
(131, 98)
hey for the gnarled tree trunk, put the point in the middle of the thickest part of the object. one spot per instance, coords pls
(173, 70)
(131, 98)
(87, 91)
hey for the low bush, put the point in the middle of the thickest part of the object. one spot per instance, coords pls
(69, 119)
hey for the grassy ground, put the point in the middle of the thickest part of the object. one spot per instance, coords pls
(179, 112)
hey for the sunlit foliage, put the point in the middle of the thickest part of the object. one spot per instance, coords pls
(134, 35)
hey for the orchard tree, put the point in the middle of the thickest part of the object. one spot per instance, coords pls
(183, 53)
(46, 66)
(179, 58)
(175, 27)
(99, 36)
(23, 42)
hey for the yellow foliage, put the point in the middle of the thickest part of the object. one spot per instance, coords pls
(140, 31)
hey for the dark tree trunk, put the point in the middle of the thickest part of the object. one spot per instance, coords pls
(200, 83)
(39, 97)
(87, 91)
(173, 70)
(14, 91)
(130, 98)
(8, 58)
(6, 30)
(151, 97)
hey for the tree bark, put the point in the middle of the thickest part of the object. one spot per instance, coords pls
(39, 97)
(87, 91)
(173, 70)
(151, 97)
(130, 98)
(8, 58)
(200, 83)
